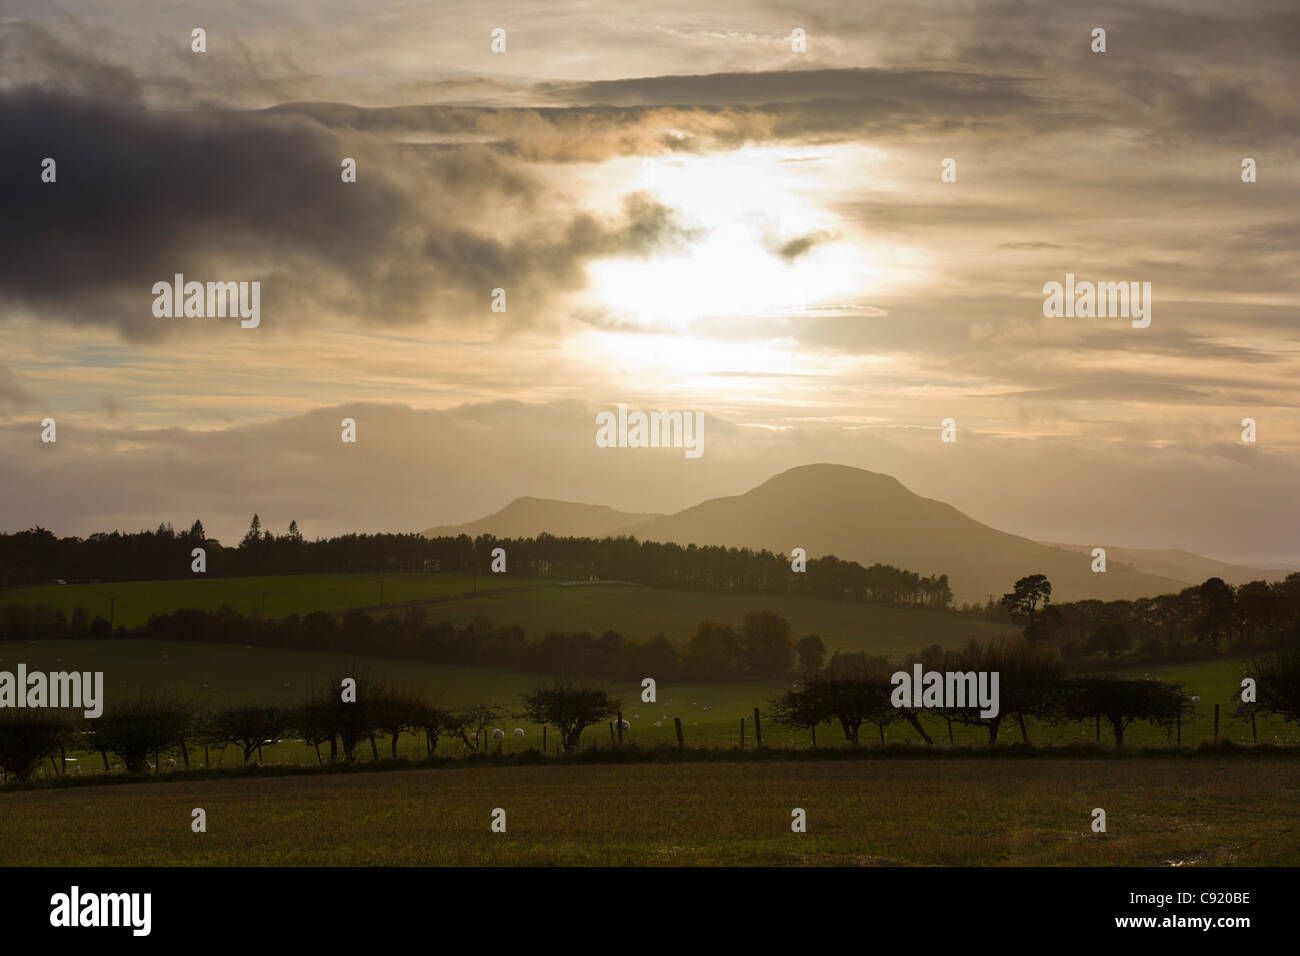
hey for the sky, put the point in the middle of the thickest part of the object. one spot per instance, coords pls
(685, 212)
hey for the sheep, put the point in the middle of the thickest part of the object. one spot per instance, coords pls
(659, 723)
(170, 762)
(519, 731)
(624, 725)
(708, 708)
(474, 737)
(498, 734)
(1196, 700)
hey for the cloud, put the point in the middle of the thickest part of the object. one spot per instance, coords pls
(13, 396)
(142, 195)
(34, 58)
(792, 249)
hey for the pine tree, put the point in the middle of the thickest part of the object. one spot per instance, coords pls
(254, 535)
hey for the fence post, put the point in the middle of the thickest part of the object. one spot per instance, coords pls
(950, 743)
(620, 727)
(611, 732)
(681, 743)
(1099, 728)
(1180, 729)
(1216, 720)
(742, 733)
(814, 730)
(1254, 737)
(758, 729)
(543, 740)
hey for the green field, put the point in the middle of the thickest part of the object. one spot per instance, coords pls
(1160, 812)
(272, 595)
(538, 606)
(220, 676)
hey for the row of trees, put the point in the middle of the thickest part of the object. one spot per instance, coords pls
(160, 725)
(761, 646)
(851, 691)
(1208, 619)
(38, 557)
(855, 690)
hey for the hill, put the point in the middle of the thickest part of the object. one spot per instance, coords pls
(528, 517)
(867, 517)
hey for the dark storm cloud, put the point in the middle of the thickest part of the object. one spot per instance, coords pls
(141, 195)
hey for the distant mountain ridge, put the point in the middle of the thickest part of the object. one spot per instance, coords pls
(870, 518)
(528, 517)
(1183, 565)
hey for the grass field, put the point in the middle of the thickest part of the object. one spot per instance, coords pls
(274, 595)
(219, 676)
(535, 605)
(956, 812)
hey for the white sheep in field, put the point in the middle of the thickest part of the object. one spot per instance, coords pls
(659, 723)
(708, 708)
(474, 737)
(1196, 700)
(170, 762)
(624, 725)
(498, 734)
(519, 731)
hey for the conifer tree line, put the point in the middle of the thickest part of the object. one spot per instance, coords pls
(36, 556)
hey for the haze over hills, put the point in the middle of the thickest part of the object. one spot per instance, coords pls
(856, 515)
(528, 517)
(1183, 565)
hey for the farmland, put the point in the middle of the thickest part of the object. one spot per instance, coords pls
(273, 596)
(535, 605)
(218, 676)
(967, 812)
